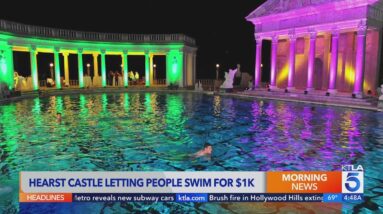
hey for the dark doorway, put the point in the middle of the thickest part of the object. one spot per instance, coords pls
(159, 72)
(318, 74)
(22, 63)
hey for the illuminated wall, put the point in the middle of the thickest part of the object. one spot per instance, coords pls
(346, 62)
(6, 65)
(174, 51)
(174, 68)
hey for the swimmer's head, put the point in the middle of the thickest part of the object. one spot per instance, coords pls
(58, 116)
(208, 148)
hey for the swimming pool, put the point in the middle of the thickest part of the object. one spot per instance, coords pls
(155, 131)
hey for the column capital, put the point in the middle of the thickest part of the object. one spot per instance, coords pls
(95, 54)
(258, 38)
(335, 32)
(33, 48)
(362, 29)
(56, 49)
(125, 52)
(65, 54)
(292, 35)
(103, 51)
(80, 50)
(274, 39)
(313, 33)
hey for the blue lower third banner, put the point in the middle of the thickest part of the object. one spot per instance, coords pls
(195, 197)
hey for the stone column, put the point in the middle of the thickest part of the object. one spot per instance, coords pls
(311, 62)
(66, 68)
(151, 69)
(258, 62)
(103, 68)
(293, 40)
(360, 60)
(194, 68)
(274, 51)
(96, 76)
(56, 53)
(34, 73)
(95, 64)
(147, 68)
(125, 66)
(6, 65)
(80, 69)
(168, 59)
(334, 62)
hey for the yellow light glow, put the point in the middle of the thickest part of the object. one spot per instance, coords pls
(20, 48)
(283, 74)
(349, 73)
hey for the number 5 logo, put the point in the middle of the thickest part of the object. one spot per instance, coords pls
(352, 183)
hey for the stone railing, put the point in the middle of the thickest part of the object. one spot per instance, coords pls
(30, 30)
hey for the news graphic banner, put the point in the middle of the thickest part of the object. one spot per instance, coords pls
(315, 186)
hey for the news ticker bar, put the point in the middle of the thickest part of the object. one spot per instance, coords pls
(188, 197)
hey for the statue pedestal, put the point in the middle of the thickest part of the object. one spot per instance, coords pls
(226, 90)
(380, 105)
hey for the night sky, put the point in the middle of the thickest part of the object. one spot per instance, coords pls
(222, 34)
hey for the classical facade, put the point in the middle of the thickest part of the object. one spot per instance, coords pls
(180, 52)
(329, 45)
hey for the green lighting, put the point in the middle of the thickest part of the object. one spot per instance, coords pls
(59, 104)
(3, 64)
(103, 69)
(80, 70)
(35, 79)
(83, 106)
(57, 70)
(104, 100)
(147, 67)
(173, 50)
(6, 66)
(174, 65)
(125, 61)
(126, 102)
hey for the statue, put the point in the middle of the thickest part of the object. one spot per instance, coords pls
(381, 96)
(229, 78)
(198, 86)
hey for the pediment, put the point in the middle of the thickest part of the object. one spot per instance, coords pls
(281, 6)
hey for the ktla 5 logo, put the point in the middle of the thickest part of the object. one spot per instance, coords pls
(352, 179)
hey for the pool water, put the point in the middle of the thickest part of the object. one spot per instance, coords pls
(155, 131)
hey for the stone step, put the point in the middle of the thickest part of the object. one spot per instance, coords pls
(332, 97)
(313, 98)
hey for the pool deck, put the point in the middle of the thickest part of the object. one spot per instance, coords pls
(317, 98)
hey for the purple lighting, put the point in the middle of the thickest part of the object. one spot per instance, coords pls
(293, 40)
(274, 62)
(361, 46)
(258, 57)
(334, 62)
(310, 75)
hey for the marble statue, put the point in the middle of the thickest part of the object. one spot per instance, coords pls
(229, 78)
(381, 91)
(198, 86)
(19, 81)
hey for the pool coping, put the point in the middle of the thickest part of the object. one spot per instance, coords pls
(377, 109)
(47, 93)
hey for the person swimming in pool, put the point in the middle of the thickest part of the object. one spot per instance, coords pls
(206, 151)
(58, 117)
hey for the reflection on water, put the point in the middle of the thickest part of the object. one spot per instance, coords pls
(156, 132)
